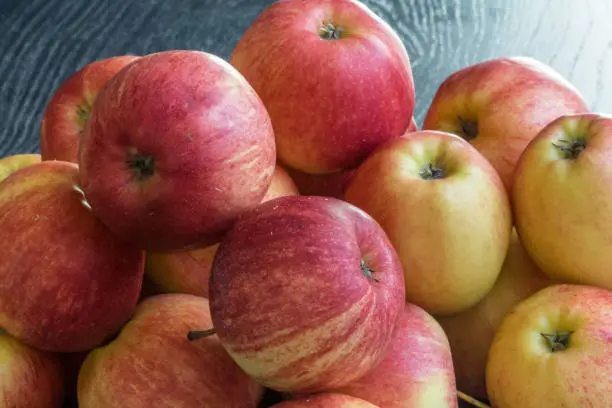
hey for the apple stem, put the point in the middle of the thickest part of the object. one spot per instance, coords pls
(469, 129)
(330, 32)
(471, 400)
(368, 272)
(199, 334)
(432, 172)
(572, 149)
(558, 341)
(142, 166)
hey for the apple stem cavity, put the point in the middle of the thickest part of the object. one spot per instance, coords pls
(83, 115)
(469, 129)
(330, 32)
(368, 272)
(141, 165)
(571, 149)
(558, 341)
(432, 172)
(200, 334)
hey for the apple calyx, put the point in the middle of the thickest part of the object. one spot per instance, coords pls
(141, 165)
(368, 272)
(432, 172)
(558, 341)
(571, 148)
(468, 129)
(200, 334)
(330, 32)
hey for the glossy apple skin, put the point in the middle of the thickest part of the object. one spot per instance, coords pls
(326, 400)
(417, 371)
(29, 377)
(152, 363)
(471, 332)
(207, 137)
(511, 99)
(452, 233)
(522, 371)
(10, 164)
(331, 101)
(189, 271)
(289, 299)
(562, 206)
(66, 282)
(67, 111)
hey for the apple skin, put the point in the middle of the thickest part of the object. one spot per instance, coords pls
(10, 164)
(29, 377)
(522, 371)
(510, 100)
(189, 271)
(290, 300)
(67, 111)
(451, 233)
(152, 363)
(177, 145)
(562, 205)
(326, 400)
(417, 371)
(66, 282)
(471, 332)
(331, 101)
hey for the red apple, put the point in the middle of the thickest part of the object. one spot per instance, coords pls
(554, 349)
(561, 199)
(177, 145)
(29, 378)
(66, 282)
(68, 109)
(152, 363)
(446, 212)
(499, 105)
(189, 271)
(305, 293)
(335, 78)
(417, 371)
(10, 164)
(471, 332)
(326, 400)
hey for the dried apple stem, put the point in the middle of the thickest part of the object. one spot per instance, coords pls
(199, 334)
(471, 400)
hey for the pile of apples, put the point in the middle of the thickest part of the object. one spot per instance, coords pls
(275, 230)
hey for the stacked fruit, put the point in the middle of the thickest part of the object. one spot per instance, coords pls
(275, 231)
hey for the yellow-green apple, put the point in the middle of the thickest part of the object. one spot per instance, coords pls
(305, 293)
(471, 332)
(66, 282)
(177, 145)
(417, 371)
(446, 212)
(554, 349)
(326, 400)
(189, 271)
(499, 105)
(29, 377)
(10, 164)
(561, 199)
(335, 78)
(68, 109)
(152, 363)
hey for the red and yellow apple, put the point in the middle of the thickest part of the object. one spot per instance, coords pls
(554, 349)
(335, 78)
(12, 163)
(499, 105)
(66, 282)
(189, 271)
(68, 109)
(177, 145)
(152, 363)
(446, 212)
(561, 199)
(306, 293)
(471, 332)
(326, 400)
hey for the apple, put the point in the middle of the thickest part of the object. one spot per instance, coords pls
(471, 332)
(29, 377)
(335, 78)
(326, 400)
(66, 282)
(554, 349)
(189, 271)
(417, 371)
(499, 105)
(561, 199)
(446, 212)
(178, 144)
(305, 293)
(12, 163)
(68, 109)
(152, 363)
